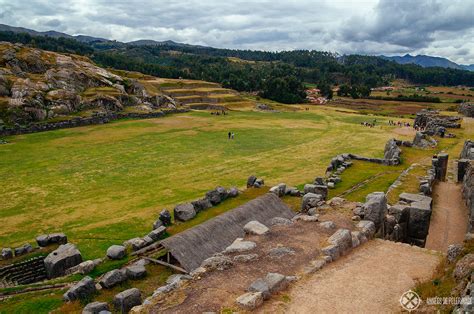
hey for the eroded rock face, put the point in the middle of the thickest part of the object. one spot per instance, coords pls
(375, 208)
(61, 259)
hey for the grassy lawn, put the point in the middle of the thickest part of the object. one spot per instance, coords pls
(104, 184)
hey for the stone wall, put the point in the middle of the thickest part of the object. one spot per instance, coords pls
(29, 271)
(79, 121)
(466, 109)
(468, 192)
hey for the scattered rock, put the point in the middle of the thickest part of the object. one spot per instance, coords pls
(217, 195)
(328, 225)
(260, 285)
(453, 252)
(239, 245)
(255, 227)
(321, 190)
(7, 253)
(332, 251)
(279, 221)
(184, 212)
(135, 272)
(113, 278)
(83, 268)
(464, 267)
(279, 189)
(279, 252)
(116, 252)
(315, 266)
(310, 200)
(61, 259)
(250, 300)
(233, 192)
(24, 249)
(375, 208)
(81, 290)
(244, 258)
(367, 228)
(276, 282)
(201, 204)
(135, 243)
(217, 262)
(306, 218)
(165, 217)
(96, 308)
(158, 223)
(251, 180)
(343, 239)
(157, 233)
(124, 301)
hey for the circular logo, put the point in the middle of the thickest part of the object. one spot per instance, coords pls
(410, 300)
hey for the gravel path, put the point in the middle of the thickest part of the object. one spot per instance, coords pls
(369, 280)
(449, 218)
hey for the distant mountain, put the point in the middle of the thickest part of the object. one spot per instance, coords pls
(429, 61)
(54, 34)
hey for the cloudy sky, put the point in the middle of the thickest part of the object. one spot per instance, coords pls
(391, 27)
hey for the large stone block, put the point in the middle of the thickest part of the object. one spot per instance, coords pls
(310, 200)
(61, 259)
(96, 308)
(113, 278)
(419, 220)
(343, 239)
(255, 227)
(81, 290)
(375, 208)
(184, 212)
(125, 300)
(116, 252)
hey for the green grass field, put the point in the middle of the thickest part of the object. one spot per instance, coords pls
(107, 183)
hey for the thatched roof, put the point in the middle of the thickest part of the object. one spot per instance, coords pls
(194, 245)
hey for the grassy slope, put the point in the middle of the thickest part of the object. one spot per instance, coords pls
(104, 184)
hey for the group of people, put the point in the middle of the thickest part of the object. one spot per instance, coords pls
(369, 124)
(231, 135)
(399, 123)
(219, 112)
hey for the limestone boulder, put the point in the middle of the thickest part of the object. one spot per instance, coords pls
(165, 217)
(317, 189)
(239, 245)
(343, 239)
(113, 278)
(201, 204)
(310, 200)
(184, 212)
(279, 221)
(116, 252)
(233, 192)
(375, 208)
(217, 262)
(135, 272)
(125, 300)
(255, 227)
(217, 195)
(61, 259)
(96, 308)
(367, 228)
(24, 249)
(250, 300)
(7, 253)
(81, 290)
(157, 233)
(260, 285)
(419, 220)
(251, 180)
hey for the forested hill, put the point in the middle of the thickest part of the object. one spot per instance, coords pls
(276, 75)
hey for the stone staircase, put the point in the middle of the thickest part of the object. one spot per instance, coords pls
(22, 273)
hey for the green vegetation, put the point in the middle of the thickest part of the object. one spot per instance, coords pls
(107, 183)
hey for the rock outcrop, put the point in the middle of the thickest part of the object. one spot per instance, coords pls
(61, 259)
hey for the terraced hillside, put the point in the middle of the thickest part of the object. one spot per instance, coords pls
(198, 94)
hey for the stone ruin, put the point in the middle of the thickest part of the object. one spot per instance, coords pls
(436, 124)
(466, 109)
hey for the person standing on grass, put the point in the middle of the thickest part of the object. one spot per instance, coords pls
(228, 135)
(232, 136)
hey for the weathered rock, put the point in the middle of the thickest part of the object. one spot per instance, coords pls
(233, 192)
(343, 239)
(57, 238)
(453, 252)
(255, 227)
(244, 258)
(292, 191)
(24, 249)
(367, 228)
(239, 245)
(310, 200)
(392, 151)
(279, 221)
(158, 223)
(306, 218)
(464, 267)
(317, 189)
(83, 268)
(279, 189)
(184, 212)
(260, 285)
(61, 259)
(279, 252)
(400, 212)
(177, 279)
(116, 252)
(201, 204)
(81, 290)
(315, 266)
(276, 282)
(250, 300)
(7, 253)
(332, 251)
(217, 262)
(95, 308)
(125, 300)
(375, 208)
(113, 278)
(158, 233)
(217, 195)
(42, 240)
(251, 180)
(135, 272)
(135, 243)
(328, 225)
(165, 217)
(411, 198)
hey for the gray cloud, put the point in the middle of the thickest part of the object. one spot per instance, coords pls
(369, 26)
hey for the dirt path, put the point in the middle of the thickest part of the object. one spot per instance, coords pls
(449, 218)
(369, 280)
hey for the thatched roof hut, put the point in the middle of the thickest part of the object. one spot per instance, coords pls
(194, 245)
